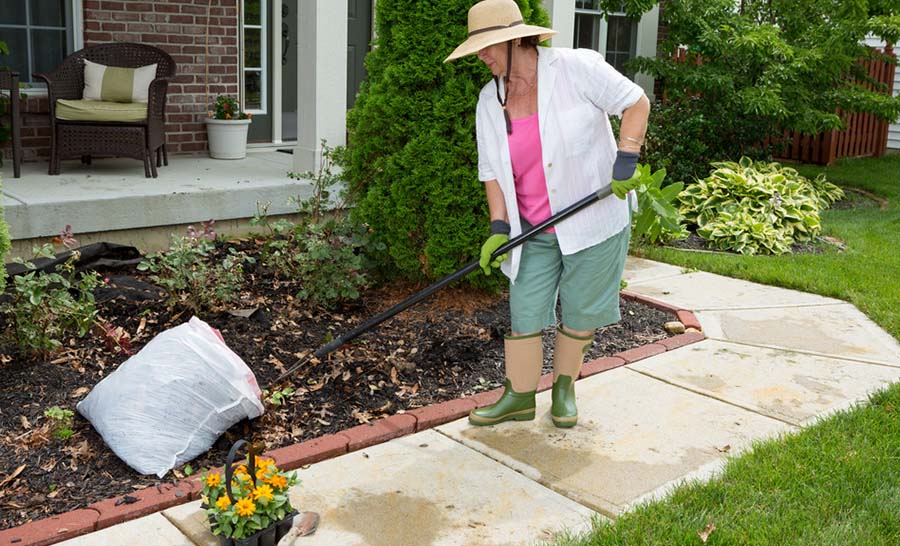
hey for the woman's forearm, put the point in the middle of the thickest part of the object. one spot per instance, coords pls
(496, 203)
(634, 125)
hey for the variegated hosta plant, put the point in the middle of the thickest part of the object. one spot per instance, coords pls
(756, 208)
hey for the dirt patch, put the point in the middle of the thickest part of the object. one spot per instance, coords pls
(444, 348)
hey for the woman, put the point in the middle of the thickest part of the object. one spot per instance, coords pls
(544, 142)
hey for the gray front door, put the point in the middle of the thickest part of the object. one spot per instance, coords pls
(359, 34)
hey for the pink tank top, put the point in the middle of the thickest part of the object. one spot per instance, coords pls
(528, 170)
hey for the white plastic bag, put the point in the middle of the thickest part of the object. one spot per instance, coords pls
(171, 401)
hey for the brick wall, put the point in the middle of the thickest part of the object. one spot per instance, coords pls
(179, 28)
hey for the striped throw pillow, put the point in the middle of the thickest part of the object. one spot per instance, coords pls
(116, 84)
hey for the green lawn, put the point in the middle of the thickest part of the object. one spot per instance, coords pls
(834, 483)
(867, 274)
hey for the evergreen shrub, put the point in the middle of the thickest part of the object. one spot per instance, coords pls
(412, 162)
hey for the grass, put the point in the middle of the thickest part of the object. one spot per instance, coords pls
(836, 482)
(866, 274)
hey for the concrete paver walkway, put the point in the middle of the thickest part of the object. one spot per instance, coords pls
(774, 360)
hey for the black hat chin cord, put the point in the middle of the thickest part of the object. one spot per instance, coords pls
(505, 98)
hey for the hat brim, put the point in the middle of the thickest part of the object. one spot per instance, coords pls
(476, 43)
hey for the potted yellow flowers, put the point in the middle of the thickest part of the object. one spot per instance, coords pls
(255, 510)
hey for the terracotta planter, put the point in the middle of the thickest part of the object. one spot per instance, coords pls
(227, 138)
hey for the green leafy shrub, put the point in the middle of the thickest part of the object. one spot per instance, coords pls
(783, 63)
(190, 279)
(685, 135)
(325, 252)
(45, 308)
(657, 219)
(755, 208)
(412, 161)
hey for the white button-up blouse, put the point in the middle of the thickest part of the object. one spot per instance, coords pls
(577, 90)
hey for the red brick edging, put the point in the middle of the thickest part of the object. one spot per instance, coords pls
(156, 498)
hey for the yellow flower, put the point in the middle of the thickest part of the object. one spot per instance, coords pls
(245, 507)
(213, 480)
(223, 502)
(242, 469)
(278, 481)
(263, 492)
(227, 116)
(264, 463)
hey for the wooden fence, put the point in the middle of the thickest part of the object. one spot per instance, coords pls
(864, 136)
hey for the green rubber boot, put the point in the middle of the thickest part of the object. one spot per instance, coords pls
(564, 412)
(512, 406)
(568, 354)
(524, 356)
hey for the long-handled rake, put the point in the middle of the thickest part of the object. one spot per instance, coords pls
(419, 296)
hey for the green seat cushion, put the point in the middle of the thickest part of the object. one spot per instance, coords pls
(97, 110)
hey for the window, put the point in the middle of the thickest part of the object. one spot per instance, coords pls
(39, 33)
(255, 61)
(618, 36)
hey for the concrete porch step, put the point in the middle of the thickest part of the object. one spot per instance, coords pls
(111, 200)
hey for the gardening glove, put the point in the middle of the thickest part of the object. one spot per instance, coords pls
(499, 237)
(625, 176)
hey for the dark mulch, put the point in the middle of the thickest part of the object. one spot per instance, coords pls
(444, 348)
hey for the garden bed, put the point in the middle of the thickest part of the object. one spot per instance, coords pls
(447, 347)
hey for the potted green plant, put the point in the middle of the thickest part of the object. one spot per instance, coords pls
(226, 129)
(255, 509)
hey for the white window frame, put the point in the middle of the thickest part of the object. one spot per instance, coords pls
(263, 70)
(74, 42)
(604, 27)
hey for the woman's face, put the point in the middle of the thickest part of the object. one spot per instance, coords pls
(494, 56)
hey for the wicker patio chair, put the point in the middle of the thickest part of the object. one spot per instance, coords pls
(9, 82)
(84, 139)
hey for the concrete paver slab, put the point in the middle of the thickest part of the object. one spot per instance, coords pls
(838, 330)
(112, 194)
(635, 435)
(153, 529)
(641, 270)
(705, 291)
(416, 490)
(794, 387)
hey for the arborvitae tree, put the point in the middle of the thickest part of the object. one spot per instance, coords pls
(411, 162)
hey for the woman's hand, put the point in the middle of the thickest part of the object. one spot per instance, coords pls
(625, 176)
(499, 237)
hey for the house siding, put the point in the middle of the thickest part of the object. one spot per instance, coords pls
(893, 139)
(177, 27)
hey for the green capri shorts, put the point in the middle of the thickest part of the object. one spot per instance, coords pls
(587, 284)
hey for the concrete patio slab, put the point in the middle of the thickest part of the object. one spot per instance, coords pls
(839, 330)
(113, 194)
(641, 270)
(794, 387)
(419, 489)
(153, 529)
(705, 291)
(635, 435)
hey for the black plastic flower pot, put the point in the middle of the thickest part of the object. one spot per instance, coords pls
(267, 537)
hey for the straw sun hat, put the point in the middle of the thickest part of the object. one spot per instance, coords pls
(494, 22)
